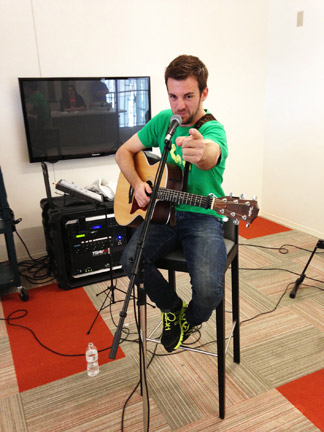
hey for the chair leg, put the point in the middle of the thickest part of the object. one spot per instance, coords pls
(236, 308)
(142, 317)
(220, 330)
(142, 320)
(172, 279)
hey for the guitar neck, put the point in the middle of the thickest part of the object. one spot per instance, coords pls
(180, 197)
(232, 207)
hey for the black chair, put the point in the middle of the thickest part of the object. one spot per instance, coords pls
(174, 262)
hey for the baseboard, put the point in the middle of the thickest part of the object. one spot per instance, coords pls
(292, 225)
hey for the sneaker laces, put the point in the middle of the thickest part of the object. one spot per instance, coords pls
(186, 327)
(168, 318)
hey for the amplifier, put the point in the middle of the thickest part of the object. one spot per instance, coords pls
(94, 244)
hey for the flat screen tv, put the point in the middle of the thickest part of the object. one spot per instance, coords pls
(69, 118)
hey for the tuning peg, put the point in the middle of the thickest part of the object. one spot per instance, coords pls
(230, 194)
(236, 221)
(254, 197)
(247, 225)
(242, 196)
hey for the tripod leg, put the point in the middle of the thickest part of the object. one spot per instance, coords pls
(299, 281)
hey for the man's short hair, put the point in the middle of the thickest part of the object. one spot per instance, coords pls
(186, 66)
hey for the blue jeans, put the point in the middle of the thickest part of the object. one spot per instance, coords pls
(202, 240)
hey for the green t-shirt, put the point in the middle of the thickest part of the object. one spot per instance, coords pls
(200, 182)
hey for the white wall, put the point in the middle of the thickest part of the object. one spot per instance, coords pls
(293, 171)
(106, 37)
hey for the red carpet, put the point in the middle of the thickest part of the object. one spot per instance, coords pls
(261, 227)
(61, 320)
(307, 395)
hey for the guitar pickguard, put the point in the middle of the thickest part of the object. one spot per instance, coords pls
(130, 194)
(135, 207)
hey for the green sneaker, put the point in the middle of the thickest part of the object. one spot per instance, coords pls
(172, 334)
(186, 328)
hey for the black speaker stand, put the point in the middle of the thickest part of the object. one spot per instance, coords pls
(299, 281)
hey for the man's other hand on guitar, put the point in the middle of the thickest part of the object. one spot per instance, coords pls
(142, 192)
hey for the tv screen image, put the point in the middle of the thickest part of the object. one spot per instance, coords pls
(69, 118)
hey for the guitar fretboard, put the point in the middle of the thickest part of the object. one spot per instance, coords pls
(179, 197)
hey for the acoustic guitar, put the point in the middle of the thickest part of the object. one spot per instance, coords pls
(128, 212)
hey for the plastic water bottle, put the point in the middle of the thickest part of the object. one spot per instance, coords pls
(92, 360)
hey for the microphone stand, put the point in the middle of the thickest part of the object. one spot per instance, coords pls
(137, 270)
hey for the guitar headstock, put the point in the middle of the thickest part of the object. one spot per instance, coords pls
(237, 208)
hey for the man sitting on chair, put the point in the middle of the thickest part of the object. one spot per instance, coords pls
(200, 142)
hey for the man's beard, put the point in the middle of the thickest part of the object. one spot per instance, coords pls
(192, 117)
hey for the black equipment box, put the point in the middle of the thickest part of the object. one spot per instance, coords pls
(83, 241)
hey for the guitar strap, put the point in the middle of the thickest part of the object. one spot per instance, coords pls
(204, 119)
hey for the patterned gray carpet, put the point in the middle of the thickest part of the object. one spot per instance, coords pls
(285, 342)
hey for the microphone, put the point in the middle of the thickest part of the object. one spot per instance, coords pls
(175, 121)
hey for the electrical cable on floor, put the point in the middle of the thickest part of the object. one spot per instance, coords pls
(284, 270)
(23, 312)
(37, 267)
(282, 249)
(35, 270)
